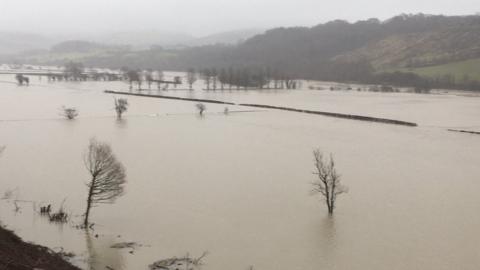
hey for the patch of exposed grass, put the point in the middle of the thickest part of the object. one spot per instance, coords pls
(462, 71)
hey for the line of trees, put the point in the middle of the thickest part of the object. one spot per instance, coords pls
(246, 77)
(422, 84)
(150, 77)
(74, 70)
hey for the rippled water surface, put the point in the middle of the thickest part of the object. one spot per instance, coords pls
(238, 185)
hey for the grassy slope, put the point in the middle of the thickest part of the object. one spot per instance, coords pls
(470, 68)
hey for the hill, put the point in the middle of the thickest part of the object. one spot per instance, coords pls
(141, 40)
(231, 37)
(406, 41)
(437, 51)
(463, 71)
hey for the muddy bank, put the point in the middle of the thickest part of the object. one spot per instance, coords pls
(330, 114)
(15, 254)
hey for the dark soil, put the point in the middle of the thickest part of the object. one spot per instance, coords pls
(15, 254)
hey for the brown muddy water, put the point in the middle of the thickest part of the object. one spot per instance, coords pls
(238, 185)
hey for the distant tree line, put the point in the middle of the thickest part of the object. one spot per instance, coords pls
(422, 84)
(151, 77)
(245, 78)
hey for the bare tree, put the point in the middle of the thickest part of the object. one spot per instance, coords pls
(328, 182)
(214, 74)
(176, 81)
(191, 77)
(134, 76)
(201, 108)
(108, 176)
(207, 77)
(159, 78)
(69, 112)
(121, 106)
(149, 78)
(74, 70)
(223, 77)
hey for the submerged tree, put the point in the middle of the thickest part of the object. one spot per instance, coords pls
(328, 182)
(22, 79)
(134, 76)
(201, 108)
(69, 112)
(74, 70)
(159, 78)
(223, 77)
(149, 78)
(177, 80)
(214, 74)
(207, 77)
(121, 106)
(108, 176)
(191, 77)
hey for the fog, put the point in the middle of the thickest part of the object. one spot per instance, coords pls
(200, 18)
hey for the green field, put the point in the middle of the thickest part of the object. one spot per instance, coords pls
(462, 71)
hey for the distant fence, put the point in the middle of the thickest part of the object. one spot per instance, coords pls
(465, 131)
(337, 115)
(170, 97)
(330, 114)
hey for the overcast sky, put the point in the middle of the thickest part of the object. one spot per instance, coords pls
(201, 17)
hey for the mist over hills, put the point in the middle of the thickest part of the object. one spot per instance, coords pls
(139, 40)
(337, 50)
(12, 42)
(231, 37)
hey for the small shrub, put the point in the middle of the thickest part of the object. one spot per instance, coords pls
(69, 113)
(121, 106)
(201, 108)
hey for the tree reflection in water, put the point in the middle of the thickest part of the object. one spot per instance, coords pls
(101, 255)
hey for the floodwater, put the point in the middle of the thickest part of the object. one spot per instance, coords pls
(238, 185)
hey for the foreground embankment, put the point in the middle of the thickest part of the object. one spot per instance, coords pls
(15, 254)
(330, 114)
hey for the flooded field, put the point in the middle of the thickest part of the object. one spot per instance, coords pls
(238, 185)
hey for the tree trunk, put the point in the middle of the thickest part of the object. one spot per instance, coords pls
(328, 197)
(332, 206)
(89, 203)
